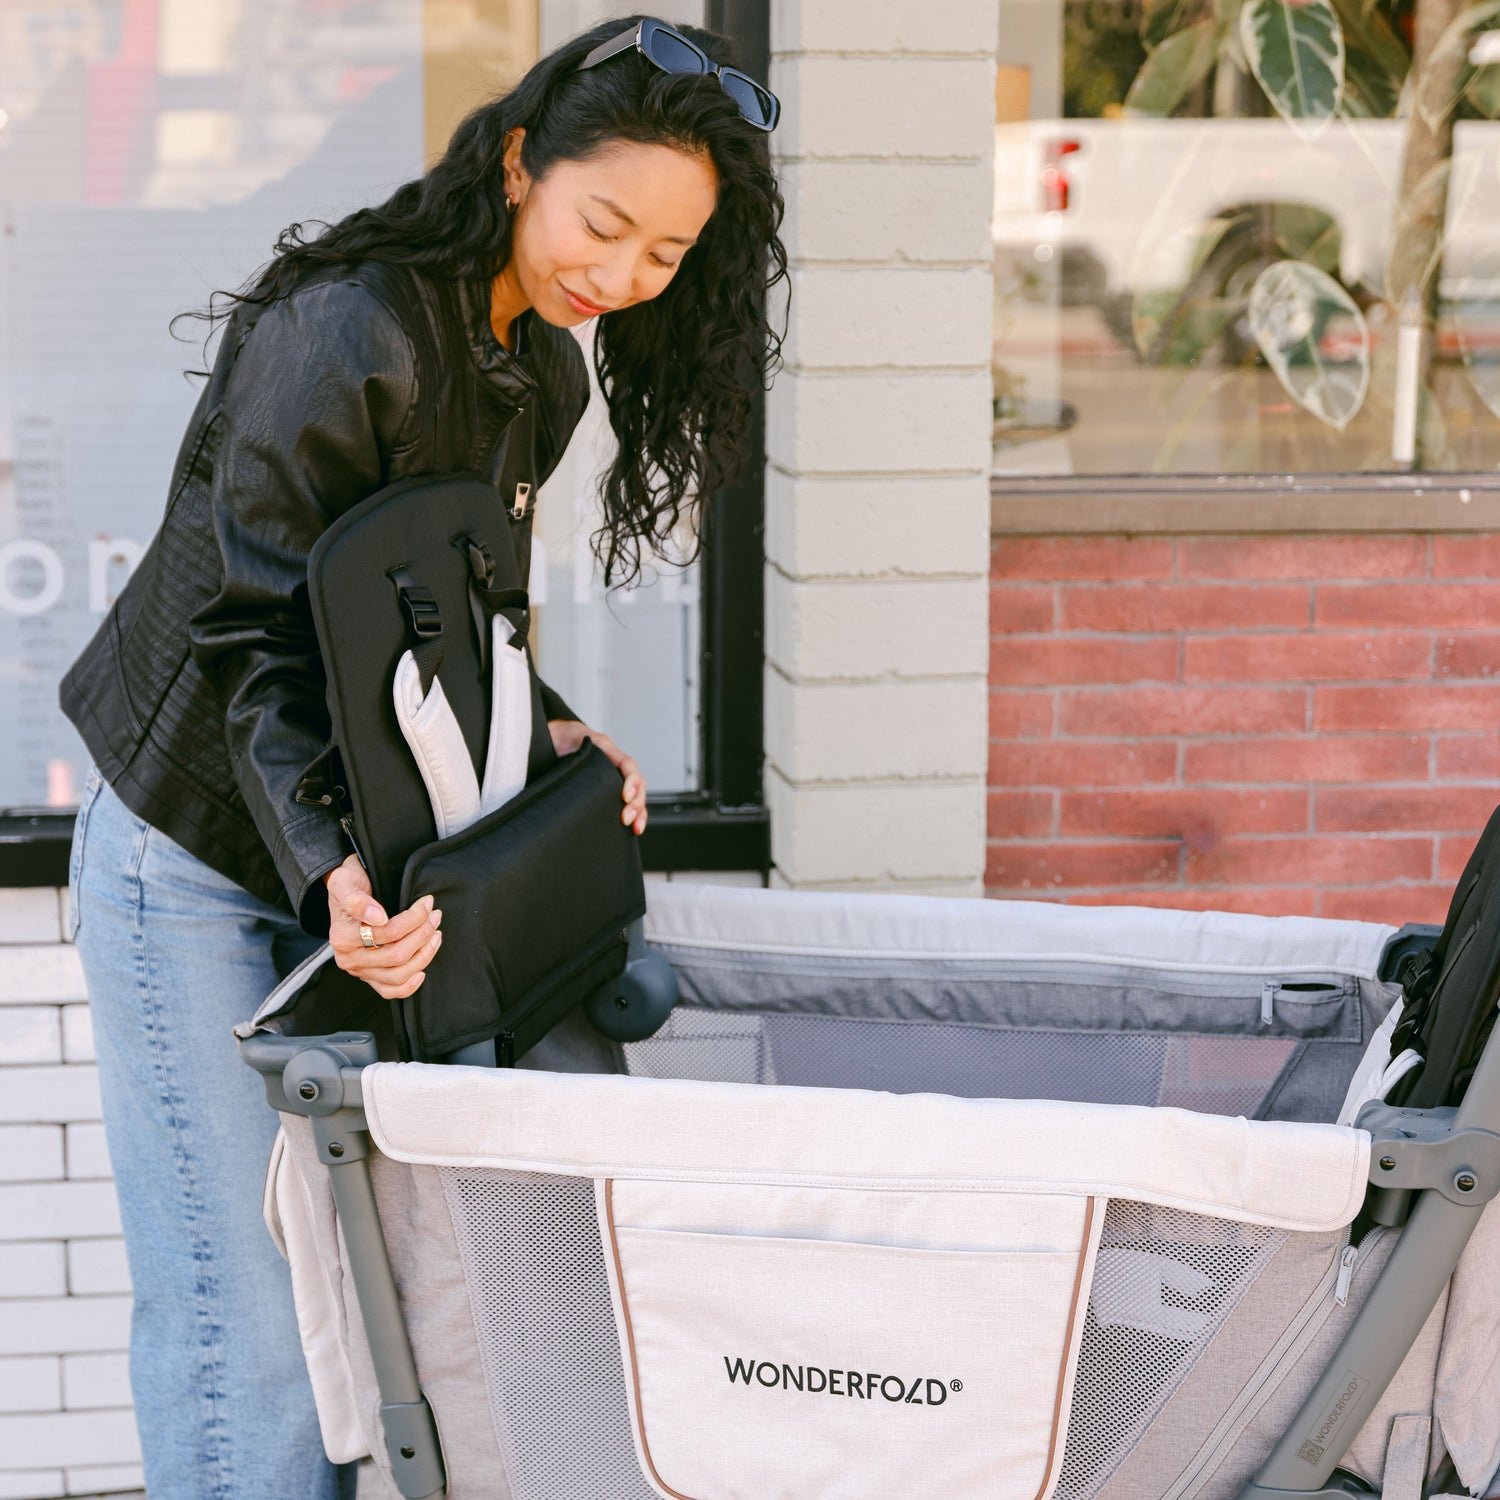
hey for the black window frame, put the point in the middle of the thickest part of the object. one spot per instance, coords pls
(723, 826)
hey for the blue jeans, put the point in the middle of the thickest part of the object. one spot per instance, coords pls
(175, 955)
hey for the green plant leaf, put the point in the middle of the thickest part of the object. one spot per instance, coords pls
(1173, 70)
(1314, 338)
(1376, 61)
(1484, 92)
(1449, 75)
(1152, 311)
(1161, 19)
(1295, 49)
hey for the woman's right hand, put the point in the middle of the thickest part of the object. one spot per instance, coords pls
(404, 944)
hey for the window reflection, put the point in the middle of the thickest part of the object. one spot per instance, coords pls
(1250, 236)
(150, 152)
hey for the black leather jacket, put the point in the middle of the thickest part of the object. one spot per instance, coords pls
(201, 697)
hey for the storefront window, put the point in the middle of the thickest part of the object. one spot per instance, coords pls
(1247, 237)
(150, 152)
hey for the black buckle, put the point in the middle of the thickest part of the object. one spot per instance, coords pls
(481, 560)
(423, 618)
(422, 615)
(1418, 973)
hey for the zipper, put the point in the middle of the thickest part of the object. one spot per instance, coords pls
(1268, 992)
(562, 977)
(1332, 1291)
(1346, 1274)
(336, 797)
(505, 1041)
(346, 822)
(523, 498)
(1305, 988)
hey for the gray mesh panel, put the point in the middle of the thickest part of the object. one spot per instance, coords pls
(1163, 1284)
(540, 1297)
(1212, 1074)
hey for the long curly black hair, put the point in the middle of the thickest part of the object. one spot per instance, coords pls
(678, 372)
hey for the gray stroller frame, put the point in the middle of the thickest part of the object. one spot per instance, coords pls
(1431, 1172)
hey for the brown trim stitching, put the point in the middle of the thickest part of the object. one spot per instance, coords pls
(635, 1372)
(1062, 1372)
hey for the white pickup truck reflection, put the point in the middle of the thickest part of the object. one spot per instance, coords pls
(1128, 249)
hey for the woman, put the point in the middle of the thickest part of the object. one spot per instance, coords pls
(626, 179)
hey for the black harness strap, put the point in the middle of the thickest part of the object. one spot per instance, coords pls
(424, 624)
(486, 601)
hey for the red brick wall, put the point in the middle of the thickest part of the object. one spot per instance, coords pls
(1274, 724)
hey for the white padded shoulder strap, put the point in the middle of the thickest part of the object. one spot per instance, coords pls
(432, 733)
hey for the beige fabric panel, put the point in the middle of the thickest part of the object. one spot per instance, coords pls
(1197, 1417)
(813, 1351)
(1406, 1458)
(1291, 1176)
(1467, 1403)
(429, 1277)
(299, 1219)
(1409, 1393)
(1284, 1399)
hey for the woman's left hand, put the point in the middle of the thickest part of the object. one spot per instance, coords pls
(569, 734)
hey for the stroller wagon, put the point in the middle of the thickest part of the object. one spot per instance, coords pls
(903, 1199)
(910, 1198)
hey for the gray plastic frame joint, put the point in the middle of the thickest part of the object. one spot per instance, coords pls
(319, 1078)
(1341, 1486)
(411, 1441)
(311, 1075)
(1420, 1148)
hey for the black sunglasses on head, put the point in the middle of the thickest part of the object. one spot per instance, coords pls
(672, 52)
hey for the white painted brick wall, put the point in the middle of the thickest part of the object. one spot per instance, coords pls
(33, 1270)
(936, 26)
(66, 1426)
(885, 212)
(97, 1267)
(878, 443)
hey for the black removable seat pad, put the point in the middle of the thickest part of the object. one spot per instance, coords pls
(363, 632)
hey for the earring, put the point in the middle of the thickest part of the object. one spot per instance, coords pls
(510, 204)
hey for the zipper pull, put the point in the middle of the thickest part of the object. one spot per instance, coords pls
(346, 822)
(1346, 1274)
(523, 497)
(1268, 1001)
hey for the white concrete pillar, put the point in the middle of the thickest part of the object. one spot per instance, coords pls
(878, 443)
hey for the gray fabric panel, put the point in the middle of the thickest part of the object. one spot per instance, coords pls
(1313, 1087)
(970, 1061)
(573, 1046)
(1170, 1448)
(1467, 1404)
(1268, 1416)
(1411, 1390)
(1086, 997)
(1096, 1033)
(429, 1277)
(1406, 1457)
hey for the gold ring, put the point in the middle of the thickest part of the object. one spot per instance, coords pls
(367, 935)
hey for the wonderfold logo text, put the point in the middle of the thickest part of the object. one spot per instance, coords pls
(861, 1385)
